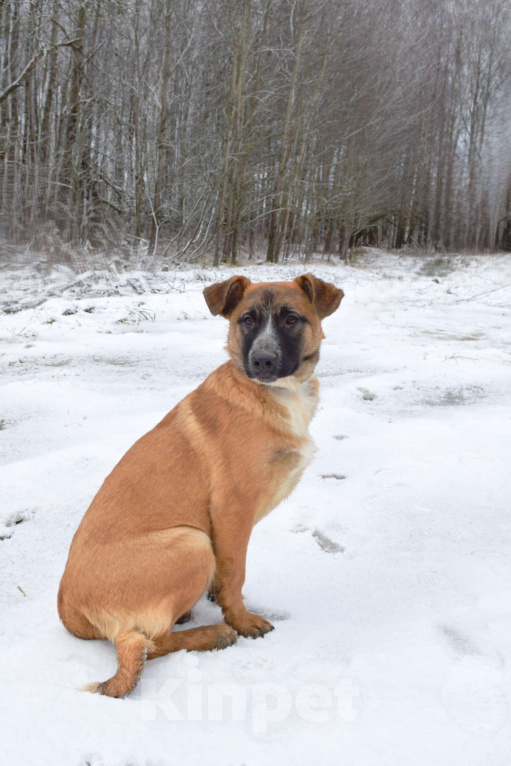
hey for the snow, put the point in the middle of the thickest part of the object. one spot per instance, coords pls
(387, 573)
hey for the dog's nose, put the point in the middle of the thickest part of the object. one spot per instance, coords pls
(264, 361)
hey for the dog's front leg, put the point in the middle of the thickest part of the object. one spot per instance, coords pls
(231, 533)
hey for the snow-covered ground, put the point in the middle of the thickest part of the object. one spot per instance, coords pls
(387, 574)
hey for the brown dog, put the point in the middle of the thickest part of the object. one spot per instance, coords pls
(175, 515)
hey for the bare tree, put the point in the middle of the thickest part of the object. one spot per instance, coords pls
(290, 126)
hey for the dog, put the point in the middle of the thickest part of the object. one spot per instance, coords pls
(174, 517)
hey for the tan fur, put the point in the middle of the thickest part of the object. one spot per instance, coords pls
(175, 515)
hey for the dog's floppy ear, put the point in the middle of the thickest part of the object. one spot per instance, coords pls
(324, 296)
(223, 297)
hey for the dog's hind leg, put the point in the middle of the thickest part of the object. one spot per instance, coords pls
(202, 639)
(133, 648)
(137, 614)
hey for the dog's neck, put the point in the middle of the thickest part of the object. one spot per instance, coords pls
(288, 399)
(300, 398)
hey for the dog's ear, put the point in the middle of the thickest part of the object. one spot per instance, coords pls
(223, 297)
(324, 296)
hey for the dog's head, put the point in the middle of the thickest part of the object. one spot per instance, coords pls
(275, 327)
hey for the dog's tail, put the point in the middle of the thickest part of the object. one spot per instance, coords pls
(132, 648)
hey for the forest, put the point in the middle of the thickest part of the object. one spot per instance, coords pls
(255, 129)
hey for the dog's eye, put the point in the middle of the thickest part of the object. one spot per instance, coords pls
(291, 319)
(248, 320)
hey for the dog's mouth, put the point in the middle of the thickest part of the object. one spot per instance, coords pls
(270, 374)
(262, 376)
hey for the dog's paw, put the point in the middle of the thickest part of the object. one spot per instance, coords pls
(226, 637)
(251, 625)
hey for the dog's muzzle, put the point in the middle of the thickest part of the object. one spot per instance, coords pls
(263, 366)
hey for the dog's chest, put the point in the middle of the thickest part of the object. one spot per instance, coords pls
(289, 463)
